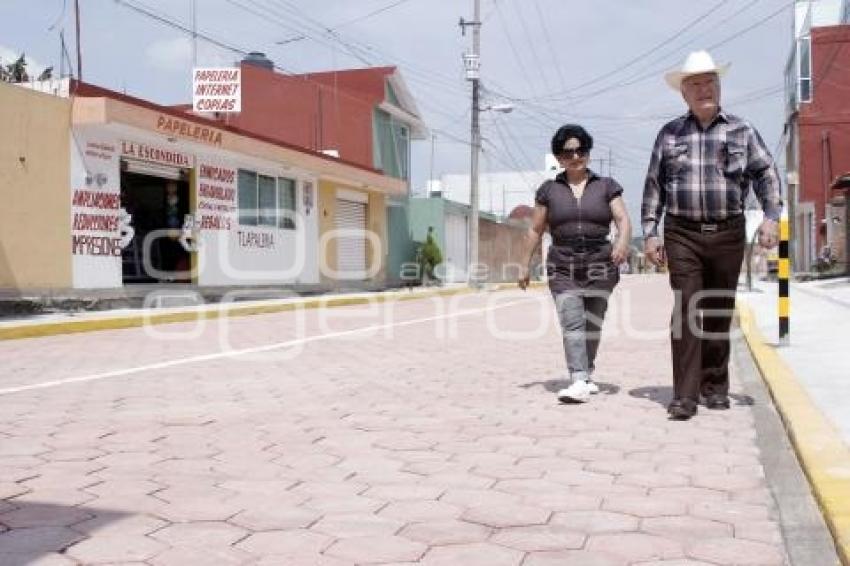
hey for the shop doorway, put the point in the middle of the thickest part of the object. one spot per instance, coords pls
(156, 204)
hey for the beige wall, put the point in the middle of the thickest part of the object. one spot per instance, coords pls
(501, 248)
(327, 213)
(376, 220)
(101, 110)
(35, 216)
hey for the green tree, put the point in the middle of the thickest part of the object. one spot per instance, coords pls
(429, 257)
(15, 72)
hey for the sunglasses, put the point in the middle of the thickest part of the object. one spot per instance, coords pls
(574, 153)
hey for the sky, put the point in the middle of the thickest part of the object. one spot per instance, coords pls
(598, 63)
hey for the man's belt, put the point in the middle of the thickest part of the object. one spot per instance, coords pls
(708, 226)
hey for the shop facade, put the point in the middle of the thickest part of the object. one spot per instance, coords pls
(155, 195)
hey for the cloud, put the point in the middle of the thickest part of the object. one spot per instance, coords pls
(172, 55)
(175, 55)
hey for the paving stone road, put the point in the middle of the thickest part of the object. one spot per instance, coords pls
(433, 438)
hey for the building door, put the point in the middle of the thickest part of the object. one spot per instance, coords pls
(805, 238)
(158, 201)
(456, 256)
(351, 242)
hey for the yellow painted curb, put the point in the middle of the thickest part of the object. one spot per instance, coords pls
(55, 328)
(824, 456)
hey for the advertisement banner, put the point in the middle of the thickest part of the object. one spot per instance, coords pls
(217, 89)
(99, 227)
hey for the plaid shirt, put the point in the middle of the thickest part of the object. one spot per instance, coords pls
(704, 175)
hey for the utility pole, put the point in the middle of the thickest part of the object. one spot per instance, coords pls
(431, 166)
(194, 34)
(504, 203)
(79, 55)
(61, 54)
(472, 62)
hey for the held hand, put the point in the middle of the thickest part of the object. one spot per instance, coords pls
(524, 278)
(654, 251)
(619, 253)
(768, 234)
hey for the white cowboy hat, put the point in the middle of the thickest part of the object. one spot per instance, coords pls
(697, 63)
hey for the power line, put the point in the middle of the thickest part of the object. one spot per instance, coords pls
(676, 50)
(644, 54)
(254, 7)
(634, 80)
(170, 22)
(366, 53)
(751, 27)
(535, 57)
(640, 77)
(60, 17)
(178, 26)
(523, 69)
(550, 44)
(371, 14)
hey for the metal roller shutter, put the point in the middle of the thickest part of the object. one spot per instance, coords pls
(455, 252)
(351, 247)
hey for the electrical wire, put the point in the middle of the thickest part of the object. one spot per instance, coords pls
(371, 14)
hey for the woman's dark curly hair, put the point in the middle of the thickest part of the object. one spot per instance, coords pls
(568, 131)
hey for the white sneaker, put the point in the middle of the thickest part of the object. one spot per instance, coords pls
(577, 392)
(592, 387)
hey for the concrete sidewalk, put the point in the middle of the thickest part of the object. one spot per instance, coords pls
(237, 302)
(819, 353)
(808, 381)
(418, 432)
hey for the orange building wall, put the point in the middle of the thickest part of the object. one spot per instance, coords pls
(320, 111)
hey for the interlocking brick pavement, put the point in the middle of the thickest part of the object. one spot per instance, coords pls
(434, 442)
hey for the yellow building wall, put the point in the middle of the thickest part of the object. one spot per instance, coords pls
(35, 170)
(327, 248)
(376, 221)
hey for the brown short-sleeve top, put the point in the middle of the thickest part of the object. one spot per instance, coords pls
(580, 256)
(568, 217)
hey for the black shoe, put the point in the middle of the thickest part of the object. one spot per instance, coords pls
(682, 409)
(717, 401)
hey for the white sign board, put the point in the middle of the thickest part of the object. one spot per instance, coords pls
(217, 89)
(97, 219)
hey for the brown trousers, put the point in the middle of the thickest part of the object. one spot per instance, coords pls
(704, 267)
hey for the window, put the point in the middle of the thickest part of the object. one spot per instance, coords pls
(267, 213)
(391, 142)
(805, 80)
(266, 201)
(391, 96)
(286, 203)
(247, 197)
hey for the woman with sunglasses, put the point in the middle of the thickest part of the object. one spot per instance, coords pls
(577, 209)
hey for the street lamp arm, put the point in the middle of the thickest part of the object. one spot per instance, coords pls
(506, 108)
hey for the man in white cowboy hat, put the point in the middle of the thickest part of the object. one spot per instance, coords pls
(701, 169)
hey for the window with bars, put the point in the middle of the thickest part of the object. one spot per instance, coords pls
(266, 201)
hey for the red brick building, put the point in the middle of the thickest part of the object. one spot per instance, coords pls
(365, 116)
(818, 128)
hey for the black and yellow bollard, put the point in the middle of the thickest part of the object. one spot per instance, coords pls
(784, 282)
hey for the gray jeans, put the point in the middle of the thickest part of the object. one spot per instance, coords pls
(581, 314)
